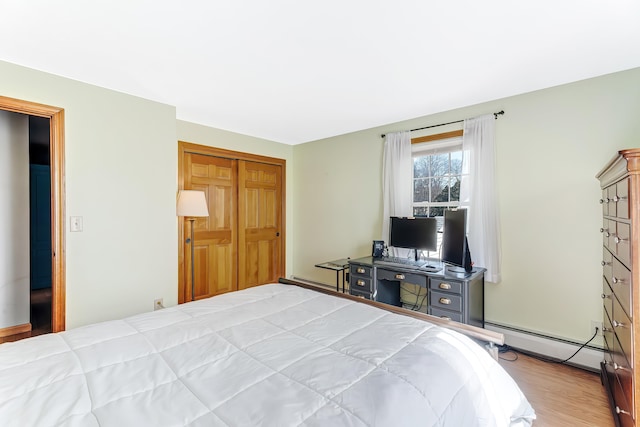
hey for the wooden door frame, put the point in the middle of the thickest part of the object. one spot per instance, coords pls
(188, 147)
(56, 157)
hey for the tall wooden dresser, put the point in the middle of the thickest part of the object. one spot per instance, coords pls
(620, 183)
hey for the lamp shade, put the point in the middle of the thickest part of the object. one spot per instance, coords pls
(192, 203)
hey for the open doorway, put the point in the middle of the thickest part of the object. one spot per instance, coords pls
(40, 254)
(55, 118)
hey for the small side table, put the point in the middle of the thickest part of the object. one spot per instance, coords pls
(339, 265)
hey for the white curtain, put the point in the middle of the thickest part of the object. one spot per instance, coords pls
(478, 193)
(397, 180)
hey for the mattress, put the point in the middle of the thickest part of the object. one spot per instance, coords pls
(273, 355)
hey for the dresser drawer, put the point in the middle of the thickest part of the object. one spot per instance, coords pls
(416, 279)
(446, 314)
(446, 301)
(360, 270)
(620, 282)
(606, 231)
(621, 242)
(621, 199)
(604, 201)
(610, 236)
(446, 285)
(607, 334)
(607, 264)
(360, 294)
(607, 298)
(622, 328)
(362, 284)
(611, 193)
(621, 400)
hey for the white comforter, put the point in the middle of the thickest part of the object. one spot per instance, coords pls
(272, 355)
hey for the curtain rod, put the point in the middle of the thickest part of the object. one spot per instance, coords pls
(499, 113)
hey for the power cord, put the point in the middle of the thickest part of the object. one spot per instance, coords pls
(506, 349)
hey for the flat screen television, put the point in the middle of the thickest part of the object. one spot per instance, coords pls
(455, 247)
(413, 233)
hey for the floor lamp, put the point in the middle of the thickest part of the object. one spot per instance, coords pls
(192, 204)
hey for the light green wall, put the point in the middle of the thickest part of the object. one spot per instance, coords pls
(203, 135)
(550, 145)
(121, 177)
(121, 170)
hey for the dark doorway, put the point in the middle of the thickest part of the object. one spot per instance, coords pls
(40, 224)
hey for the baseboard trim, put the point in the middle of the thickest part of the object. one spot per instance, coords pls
(553, 348)
(314, 283)
(15, 330)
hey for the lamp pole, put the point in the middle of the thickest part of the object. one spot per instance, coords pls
(193, 282)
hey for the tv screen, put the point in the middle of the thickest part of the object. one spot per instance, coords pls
(413, 233)
(455, 249)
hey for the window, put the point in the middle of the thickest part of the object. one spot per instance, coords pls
(437, 172)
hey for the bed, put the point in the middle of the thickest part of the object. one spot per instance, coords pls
(275, 354)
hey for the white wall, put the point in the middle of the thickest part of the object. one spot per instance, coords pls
(550, 145)
(14, 219)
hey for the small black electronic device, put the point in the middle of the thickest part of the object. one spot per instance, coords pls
(378, 249)
(413, 233)
(455, 247)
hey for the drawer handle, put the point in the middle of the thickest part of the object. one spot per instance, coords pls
(617, 324)
(605, 263)
(615, 280)
(616, 199)
(400, 276)
(445, 317)
(621, 411)
(618, 240)
(360, 282)
(617, 367)
(444, 286)
(360, 270)
(445, 301)
(605, 200)
(602, 230)
(605, 296)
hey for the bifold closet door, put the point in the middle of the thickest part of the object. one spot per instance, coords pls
(259, 223)
(216, 235)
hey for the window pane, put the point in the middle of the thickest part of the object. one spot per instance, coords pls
(456, 163)
(439, 164)
(455, 188)
(421, 167)
(438, 185)
(420, 190)
(420, 211)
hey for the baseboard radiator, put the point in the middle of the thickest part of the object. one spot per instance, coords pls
(550, 347)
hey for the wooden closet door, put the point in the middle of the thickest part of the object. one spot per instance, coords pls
(259, 223)
(216, 235)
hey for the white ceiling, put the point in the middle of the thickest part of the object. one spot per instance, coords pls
(294, 71)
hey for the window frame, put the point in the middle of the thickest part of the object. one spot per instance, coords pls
(432, 145)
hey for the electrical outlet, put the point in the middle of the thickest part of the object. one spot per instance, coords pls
(596, 324)
(157, 304)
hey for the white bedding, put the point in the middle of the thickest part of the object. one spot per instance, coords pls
(271, 355)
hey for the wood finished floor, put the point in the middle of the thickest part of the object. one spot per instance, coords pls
(561, 395)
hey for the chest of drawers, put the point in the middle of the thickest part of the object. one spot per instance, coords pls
(620, 184)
